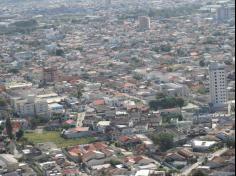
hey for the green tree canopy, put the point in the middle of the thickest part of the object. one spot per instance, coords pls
(2, 102)
(167, 102)
(19, 134)
(165, 140)
(202, 63)
(199, 173)
(9, 128)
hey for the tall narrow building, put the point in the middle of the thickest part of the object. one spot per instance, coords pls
(225, 13)
(49, 75)
(107, 3)
(144, 23)
(218, 85)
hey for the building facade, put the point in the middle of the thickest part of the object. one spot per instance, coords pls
(30, 106)
(49, 75)
(218, 85)
(144, 23)
(225, 13)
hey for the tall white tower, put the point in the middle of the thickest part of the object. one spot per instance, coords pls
(144, 23)
(218, 85)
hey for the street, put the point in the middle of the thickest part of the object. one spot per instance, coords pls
(188, 170)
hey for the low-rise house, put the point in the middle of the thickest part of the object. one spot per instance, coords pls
(124, 130)
(8, 163)
(150, 173)
(56, 108)
(128, 87)
(92, 154)
(141, 127)
(186, 153)
(203, 146)
(136, 161)
(128, 141)
(102, 125)
(226, 136)
(31, 152)
(50, 168)
(77, 132)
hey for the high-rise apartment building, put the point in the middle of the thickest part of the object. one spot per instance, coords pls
(49, 75)
(218, 85)
(225, 13)
(30, 106)
(144, 23)
(107, 2)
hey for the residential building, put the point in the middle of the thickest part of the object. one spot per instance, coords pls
(144, 23)
(49, 75)
(8, 163)
(225, 13)
(218, 85)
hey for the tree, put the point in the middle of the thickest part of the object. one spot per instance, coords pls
(1, 128)
(9, 128)
(165, 140)
(35, 122)
(59, 52)
(228, 62)
(199, 173)
(180, 102)
(115, 162)
(202, 90)
(202, 63)
(80, 90)
(166, 118)
(181, 52)
(166, 48)
(19, 134)
(138, 77)
(169, 69)
(14, 71)
(160, 95)
(156, 49)
(2, 102)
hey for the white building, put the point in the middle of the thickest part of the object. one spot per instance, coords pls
(218, 85)
(8, 163)
(144, 23)
(30, 106)
(173, 89)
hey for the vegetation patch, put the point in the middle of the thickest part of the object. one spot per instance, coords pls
(55, 137)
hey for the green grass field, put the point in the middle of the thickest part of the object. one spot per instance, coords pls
(56, 139)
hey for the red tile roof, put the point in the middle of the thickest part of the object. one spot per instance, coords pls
(99, 102)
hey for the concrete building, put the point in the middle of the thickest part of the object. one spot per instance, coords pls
(173, 89)
(8, 163)
(144, 23)
(225, 13)
(30, 106)
(49, 75)
(218, 85)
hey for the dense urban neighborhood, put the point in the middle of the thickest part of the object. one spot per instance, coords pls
(117, 88)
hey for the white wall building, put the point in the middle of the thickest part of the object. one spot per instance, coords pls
(218, 85)
(144, 23)
(8, 163)
(30, 106)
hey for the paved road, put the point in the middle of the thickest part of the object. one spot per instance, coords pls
(188, 170)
